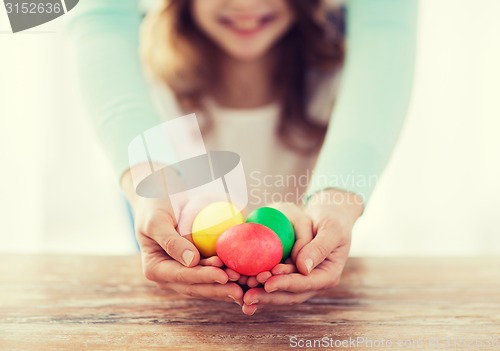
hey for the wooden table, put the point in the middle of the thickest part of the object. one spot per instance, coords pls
(104, 303)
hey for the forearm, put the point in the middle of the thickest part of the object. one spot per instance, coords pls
(374, 96)
(128, 188)
(105, 37)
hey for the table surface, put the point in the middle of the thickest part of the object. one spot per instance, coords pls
(51, 302)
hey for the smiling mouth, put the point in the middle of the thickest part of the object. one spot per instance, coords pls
(247, 25)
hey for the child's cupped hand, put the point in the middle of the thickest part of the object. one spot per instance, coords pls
(323, 238)
(173, 262)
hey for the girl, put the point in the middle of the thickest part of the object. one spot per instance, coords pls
(261, 75)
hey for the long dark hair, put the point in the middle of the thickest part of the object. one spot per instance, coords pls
(178, 54)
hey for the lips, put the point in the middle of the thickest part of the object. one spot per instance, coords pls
(246, 25)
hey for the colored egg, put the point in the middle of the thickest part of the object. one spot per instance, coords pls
(249, 248)
(278, 223)
(211, 222)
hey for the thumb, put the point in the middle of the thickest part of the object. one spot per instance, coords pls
(327, 239)
(182, 250)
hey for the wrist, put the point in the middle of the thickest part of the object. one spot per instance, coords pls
(133, 177)
(339, 200)
(128, 188)
(144, 207)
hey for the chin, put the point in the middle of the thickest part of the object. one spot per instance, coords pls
(247, 54)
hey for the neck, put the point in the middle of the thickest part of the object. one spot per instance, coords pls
(245, 84)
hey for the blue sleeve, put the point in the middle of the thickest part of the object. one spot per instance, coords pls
(374, 96)
(105, 38)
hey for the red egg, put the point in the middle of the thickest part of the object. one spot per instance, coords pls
(249, 248)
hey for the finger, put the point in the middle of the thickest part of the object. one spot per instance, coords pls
(249, 310)
(294, 282)
(284, 269)
(327, 239)
(326, 275)
(243, 280)
(233, 275)
(230, 292)
(252, 282)
(302, 225)
(161, 230)
(213, 261)
(261, 297)
(251, 297)
(303, 234)
(297, 283)
(263, 276)
(172, 271)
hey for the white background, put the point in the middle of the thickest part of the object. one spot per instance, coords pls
(439, 195)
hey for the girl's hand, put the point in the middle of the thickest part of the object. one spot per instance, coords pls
(302, 227)
(171, 260)
(323, 232)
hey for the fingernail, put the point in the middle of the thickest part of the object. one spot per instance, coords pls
(187, 257)
(220, 281)
(309, 265)
(272, 290)
(254, 302)
(232, 297)
(251, 314)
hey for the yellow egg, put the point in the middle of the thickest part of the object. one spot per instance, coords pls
(211, 222)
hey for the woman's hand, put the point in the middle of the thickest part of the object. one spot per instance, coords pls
(323, 238)
(171, 260)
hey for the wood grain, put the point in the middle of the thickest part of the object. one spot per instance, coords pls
(51, 302)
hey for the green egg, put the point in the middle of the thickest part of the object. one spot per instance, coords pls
(278, 223)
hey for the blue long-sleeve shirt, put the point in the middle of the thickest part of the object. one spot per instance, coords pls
(366, 121)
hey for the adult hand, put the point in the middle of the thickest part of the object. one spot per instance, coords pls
(323, 238)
